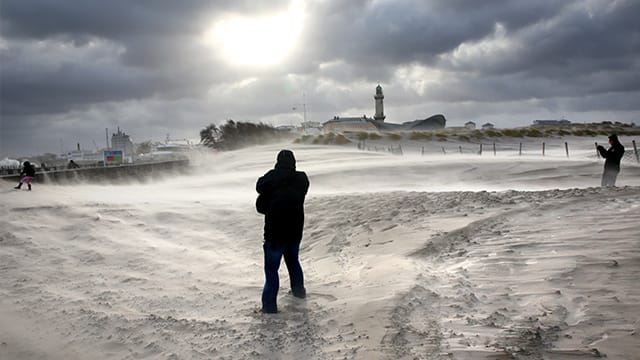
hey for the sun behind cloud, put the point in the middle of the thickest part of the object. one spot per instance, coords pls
(256, 41)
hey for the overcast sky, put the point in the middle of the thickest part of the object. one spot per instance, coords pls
(71, 68)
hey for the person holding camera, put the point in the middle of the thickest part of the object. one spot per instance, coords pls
(612, 156)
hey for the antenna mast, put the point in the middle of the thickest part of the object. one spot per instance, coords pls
(304, 106)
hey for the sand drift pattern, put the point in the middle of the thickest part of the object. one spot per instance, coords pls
(173, 269)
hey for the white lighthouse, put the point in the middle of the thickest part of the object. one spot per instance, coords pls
(379, 106)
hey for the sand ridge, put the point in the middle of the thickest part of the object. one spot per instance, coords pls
(174, 269)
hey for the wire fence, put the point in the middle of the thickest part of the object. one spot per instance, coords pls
(543, 149)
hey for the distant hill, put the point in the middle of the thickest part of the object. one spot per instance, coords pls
(414, 130)
(583, 129)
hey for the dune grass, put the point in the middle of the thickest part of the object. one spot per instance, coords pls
(467, 135)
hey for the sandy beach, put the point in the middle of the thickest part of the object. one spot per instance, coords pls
(441, 256)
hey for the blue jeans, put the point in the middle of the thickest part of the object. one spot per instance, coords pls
(273, 253)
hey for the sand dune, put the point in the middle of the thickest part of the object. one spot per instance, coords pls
(413, 257)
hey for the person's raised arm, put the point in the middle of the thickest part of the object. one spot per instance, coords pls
(602, 151)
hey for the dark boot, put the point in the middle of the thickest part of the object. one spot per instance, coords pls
(29, 185)
(19, 186)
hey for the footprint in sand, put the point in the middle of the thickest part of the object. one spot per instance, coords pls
(290, 304)
(328, 297)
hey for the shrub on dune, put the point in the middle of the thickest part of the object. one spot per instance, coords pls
(394, 136)
(341, 140)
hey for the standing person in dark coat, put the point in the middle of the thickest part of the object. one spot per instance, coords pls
(27, 175)
(612, 163)
(282, 192)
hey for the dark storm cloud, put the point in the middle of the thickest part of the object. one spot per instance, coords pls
(61, 59)
(545, 39)
(548, 39)
(157, 57)
(116, 19)
(405, 31)
(33, 91)
(577, 39)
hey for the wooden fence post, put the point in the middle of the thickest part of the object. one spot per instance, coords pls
(443, 151)
(480, 149)
(520, 152)
(422, 153)
(494, 149)
(400, 149)
(543, 144)
(566, 147)
(635, 150)
(460, 147)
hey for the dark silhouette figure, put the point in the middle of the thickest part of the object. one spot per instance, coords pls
(72, 165)
(613, 155)
(282, 192)
(27, 174)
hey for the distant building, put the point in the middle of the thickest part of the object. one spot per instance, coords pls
(487, 126)
(470, 125)
(377, 123)
(311, 124)
(338, 124)
(122, 141)
(434, 122)
(551, 122)
(82, 156)
(170, 149)
(289, 128)
(311, 128)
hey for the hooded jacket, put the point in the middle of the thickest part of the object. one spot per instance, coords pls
(283, 190)
(613, 155)
(28, 170)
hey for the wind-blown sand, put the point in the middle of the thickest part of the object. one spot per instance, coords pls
(412, 257)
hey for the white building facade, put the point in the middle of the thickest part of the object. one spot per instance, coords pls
(122, 141)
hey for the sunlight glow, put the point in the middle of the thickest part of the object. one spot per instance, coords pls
(257, 41)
